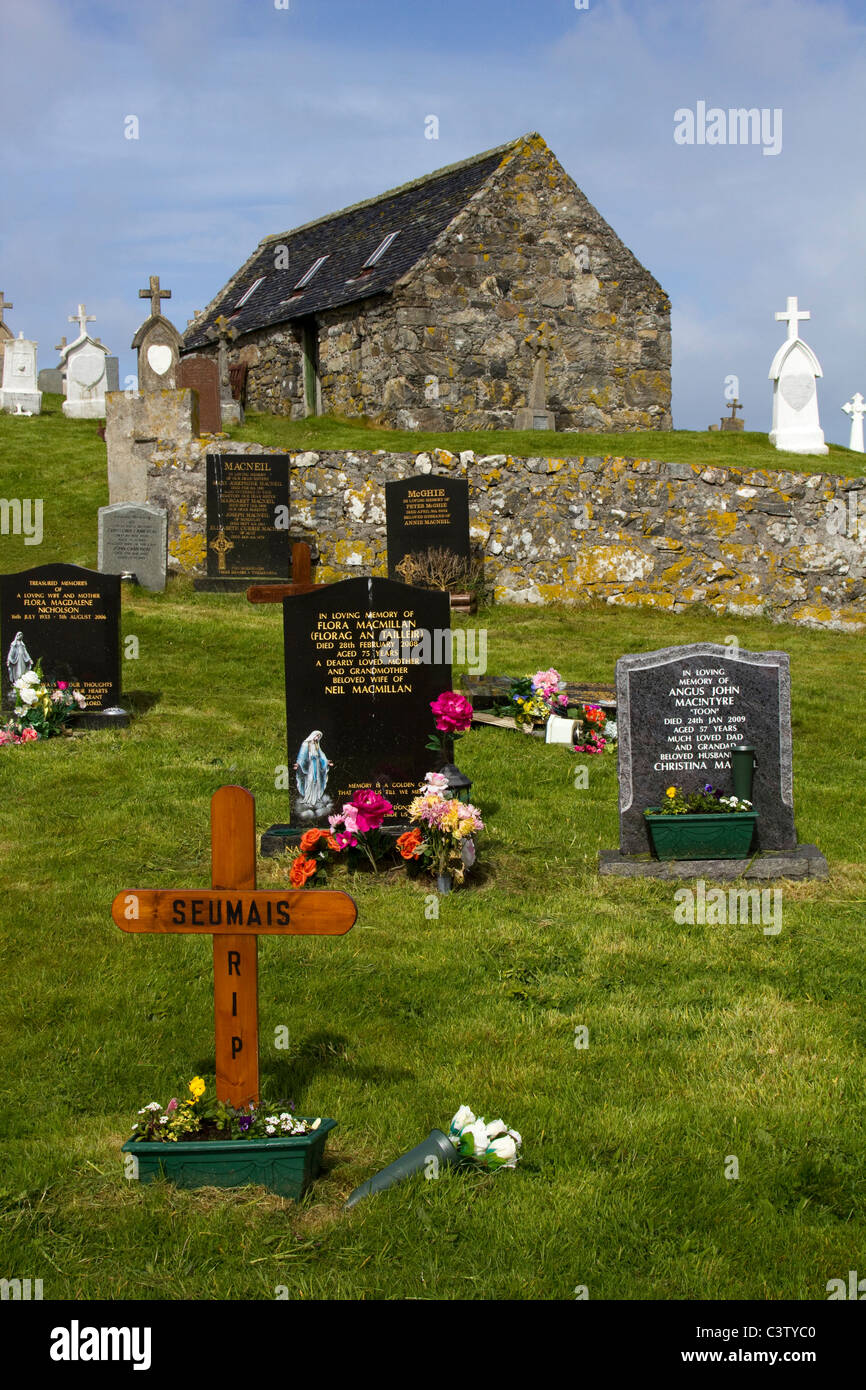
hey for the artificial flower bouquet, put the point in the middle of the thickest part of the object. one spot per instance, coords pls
(355, 834)
(453, 715)
(489, 1144)
(197, 1119)
(41, 707)
(443, 834)
(595, 732)
(533, 699)
(677, 802)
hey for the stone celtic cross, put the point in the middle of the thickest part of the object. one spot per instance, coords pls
(856, 408)
(154, 294)
(222, 545)
(235, 914)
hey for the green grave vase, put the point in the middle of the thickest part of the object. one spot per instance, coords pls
(701, 835)
(285, 1165)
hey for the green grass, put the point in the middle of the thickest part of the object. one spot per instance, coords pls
(704, 1041)
(747, 450)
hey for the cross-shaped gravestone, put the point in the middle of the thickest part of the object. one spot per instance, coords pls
(734, 407)
(4, 304)
(856, 408)
(792, 317)
(222, 545)
(154, 294)
(82, 318)
(235, 914)
(58, 347)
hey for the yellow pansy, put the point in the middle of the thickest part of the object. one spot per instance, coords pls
(671, 791)
(197, 1087)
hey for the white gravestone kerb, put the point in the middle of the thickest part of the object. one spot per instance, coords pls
(856, 408)
(20, 391)
(794, 371)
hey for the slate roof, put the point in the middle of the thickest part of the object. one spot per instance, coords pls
(419, 211)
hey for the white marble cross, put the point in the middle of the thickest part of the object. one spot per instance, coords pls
(792, 316)
(83, 319)
(856, 408)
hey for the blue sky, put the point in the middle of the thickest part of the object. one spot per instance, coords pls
(254, 119)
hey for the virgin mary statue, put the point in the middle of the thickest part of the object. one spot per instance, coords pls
(311, 777)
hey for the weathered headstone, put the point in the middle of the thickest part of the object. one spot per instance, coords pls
(133, 539)
(70, 618)
(201, 374)
(426, 512)
(20, 391)
(794, 371)
(5, 332)
(856, 408)
(235, 914)
(231, 410)
(158, 344)
(363, 660)
(680, 713)
(730, 423)
(247, 532)
(536, 416)
(84, 362)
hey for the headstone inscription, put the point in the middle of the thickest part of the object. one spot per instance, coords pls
(70, 618)
(247, 506)
(235, 914)
(201, 374)
(426, 512)
(363, 659)
(680, 713)
(133, 539)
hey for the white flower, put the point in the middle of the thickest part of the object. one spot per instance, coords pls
(495, 1128)
(27, 695)
(163, 1119)
(29, 678)
(476, 1134)
(270, 1129)
(610, 728)
(79, 698)
(284, 1115)
(272, 1119)
(463, 1117)
(502, 1153)
(153, 1105)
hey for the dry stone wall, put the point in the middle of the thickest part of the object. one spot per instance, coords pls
(629, 531)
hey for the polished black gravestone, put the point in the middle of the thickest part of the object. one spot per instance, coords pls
(355, 719)
(426, 512)
(70, 618)
(247, 528)
(680, 713)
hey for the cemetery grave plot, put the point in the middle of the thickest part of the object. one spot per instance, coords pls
(247, 516)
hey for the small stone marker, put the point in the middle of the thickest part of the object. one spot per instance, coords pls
(235, 914)
(231, 411)
(426, 512)
(70, 617)
(730, 422)
(794, 370)
(247, 527)
(20, 391)
(201, 374)
(158, 344)
(133, 539)
(856, 408)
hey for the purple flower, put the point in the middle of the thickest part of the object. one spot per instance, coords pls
(244, 1123)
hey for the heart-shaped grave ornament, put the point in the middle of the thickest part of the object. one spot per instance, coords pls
(87, 369)
(159, 358)
(797, 389)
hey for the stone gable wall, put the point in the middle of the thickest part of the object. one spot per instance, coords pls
(628, 531)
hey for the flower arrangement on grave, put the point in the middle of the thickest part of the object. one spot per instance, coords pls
(533, 699)
(355, 833)
(708, 800)
(595, 733)
(201, 1117)
(42, 707)
(488, 1143)
(453, 715)
(444, 830)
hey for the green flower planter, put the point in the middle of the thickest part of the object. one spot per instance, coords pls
(286, 1165)
(701, 835)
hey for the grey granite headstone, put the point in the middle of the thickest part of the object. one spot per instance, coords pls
(112, 373)
(51, 379)
(133, 539)
(680, 712)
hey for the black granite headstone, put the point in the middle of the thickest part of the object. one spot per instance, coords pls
(248, 516)
(372, 715)
(680, 713)
(423, 513)
(70, 617)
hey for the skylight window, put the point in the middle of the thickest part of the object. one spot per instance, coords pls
(308, 275)
(380, 251)
(248, 294)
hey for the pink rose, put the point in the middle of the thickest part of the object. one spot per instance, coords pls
(371, 809)
(453, 712)
(61, 685)
(28, 735)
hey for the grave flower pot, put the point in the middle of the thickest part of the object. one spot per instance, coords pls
(285, 1165)
(701, 835)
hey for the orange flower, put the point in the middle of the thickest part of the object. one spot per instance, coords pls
(310, 839)
(408, 844)
(301, 870)
(331, 842)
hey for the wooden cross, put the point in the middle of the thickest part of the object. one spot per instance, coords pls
(734, 407)
(301, 581)
(83, 319)
(235, 914)
(154, 294)
(222, 545)
(792, 317)
(4, 304)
